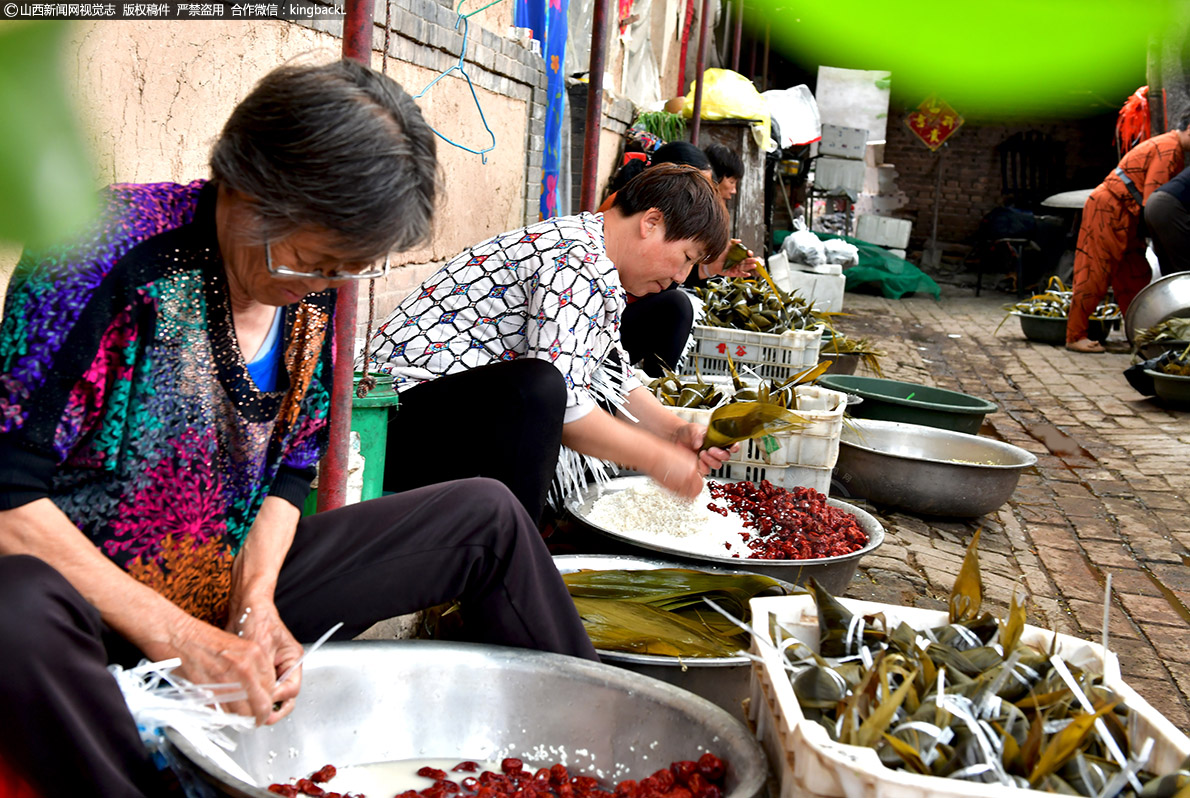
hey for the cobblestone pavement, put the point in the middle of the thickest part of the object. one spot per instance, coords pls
(1109, 496)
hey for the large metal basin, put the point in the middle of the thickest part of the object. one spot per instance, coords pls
(1167, 298)
(926, 470)
(377, 701)
(833, 573)
(724, 681)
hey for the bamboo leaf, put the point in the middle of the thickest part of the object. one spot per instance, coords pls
(1065, 743)
(740, 421)
(906, 752)
(966, 597)
(1014, 624)
(636, 628)
(877, 722)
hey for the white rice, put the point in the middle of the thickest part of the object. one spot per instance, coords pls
(647, 513)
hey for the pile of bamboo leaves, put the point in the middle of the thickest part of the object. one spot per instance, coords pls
(746, 304)
(835, 343)
(1054, 303)
(969, 701)
(1168, 330)
(662, 611)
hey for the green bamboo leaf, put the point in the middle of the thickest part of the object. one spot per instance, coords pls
(741, 421)
(639, 629)
(1014, 624)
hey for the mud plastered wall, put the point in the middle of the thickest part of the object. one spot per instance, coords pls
(153, 97)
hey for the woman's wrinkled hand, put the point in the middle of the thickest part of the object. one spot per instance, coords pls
(257, 620)
(213, 656)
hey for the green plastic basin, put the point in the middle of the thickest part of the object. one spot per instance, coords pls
(910, 403)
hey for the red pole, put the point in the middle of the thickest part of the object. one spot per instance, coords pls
(332, 475)
(594, 105)
(739, 38)
(696, 116)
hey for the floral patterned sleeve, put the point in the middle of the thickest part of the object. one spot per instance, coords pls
(574, 308)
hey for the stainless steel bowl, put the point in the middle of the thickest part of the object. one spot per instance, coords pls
(724, 681)
(377, 701)
(833, 573)
(926, 470)
(1167, 298)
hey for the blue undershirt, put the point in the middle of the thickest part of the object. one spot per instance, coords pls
(263, 368)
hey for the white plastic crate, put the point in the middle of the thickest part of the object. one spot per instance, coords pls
(808, 764)
(788, 477)
(770, 356)
(815, 445)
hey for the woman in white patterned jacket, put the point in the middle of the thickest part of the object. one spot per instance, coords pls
(508, 359)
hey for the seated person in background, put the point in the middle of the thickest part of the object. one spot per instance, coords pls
(728, 168)
(164, 393)
(655, 330)
(1167, 220)
(512, 350)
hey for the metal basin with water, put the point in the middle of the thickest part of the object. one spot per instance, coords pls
(926, 470)
(833, 573)
(725, 681)
(378, 701)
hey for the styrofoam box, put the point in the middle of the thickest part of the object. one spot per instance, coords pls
(900, 253)
(788, 477)
(843, 142)
(839, 174)
(824, 290)
(809, 764)
(768, 355)
(884, 231)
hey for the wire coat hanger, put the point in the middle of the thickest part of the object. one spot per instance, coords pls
(461, 68)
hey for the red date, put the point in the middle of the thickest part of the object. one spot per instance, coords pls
(795, 524)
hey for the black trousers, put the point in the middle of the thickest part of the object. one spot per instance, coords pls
(1168, 222)
(502, 420)
(65, 725)
(654, 330)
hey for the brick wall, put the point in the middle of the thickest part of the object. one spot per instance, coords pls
(971, 178)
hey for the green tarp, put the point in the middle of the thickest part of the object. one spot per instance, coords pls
(879, 270)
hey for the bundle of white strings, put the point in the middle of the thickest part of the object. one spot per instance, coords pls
(158, 699)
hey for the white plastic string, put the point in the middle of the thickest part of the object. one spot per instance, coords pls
(317, 645)
(1106, 609)
(1100, 726)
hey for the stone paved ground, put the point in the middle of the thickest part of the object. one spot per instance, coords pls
(1110, 497)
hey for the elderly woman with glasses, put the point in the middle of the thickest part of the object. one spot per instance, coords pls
(164, 394)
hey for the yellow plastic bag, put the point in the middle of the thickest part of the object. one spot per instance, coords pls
(730, 95)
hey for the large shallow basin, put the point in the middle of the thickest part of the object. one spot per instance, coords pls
(1172, 389)
(377, 701)
(927, 471)
(1167, 298)
(1052, 329)
(892, 400)
(725, 681)
(833, 573)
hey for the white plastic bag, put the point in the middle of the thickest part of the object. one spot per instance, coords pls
(802, 246)
(841, 252)
(796, 113)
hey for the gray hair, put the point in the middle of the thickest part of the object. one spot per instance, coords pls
(337, 146)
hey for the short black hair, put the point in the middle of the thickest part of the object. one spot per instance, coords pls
(681, 152)
(688, 203)
(724, 162)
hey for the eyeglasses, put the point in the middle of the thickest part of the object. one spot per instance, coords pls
(317, 274)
